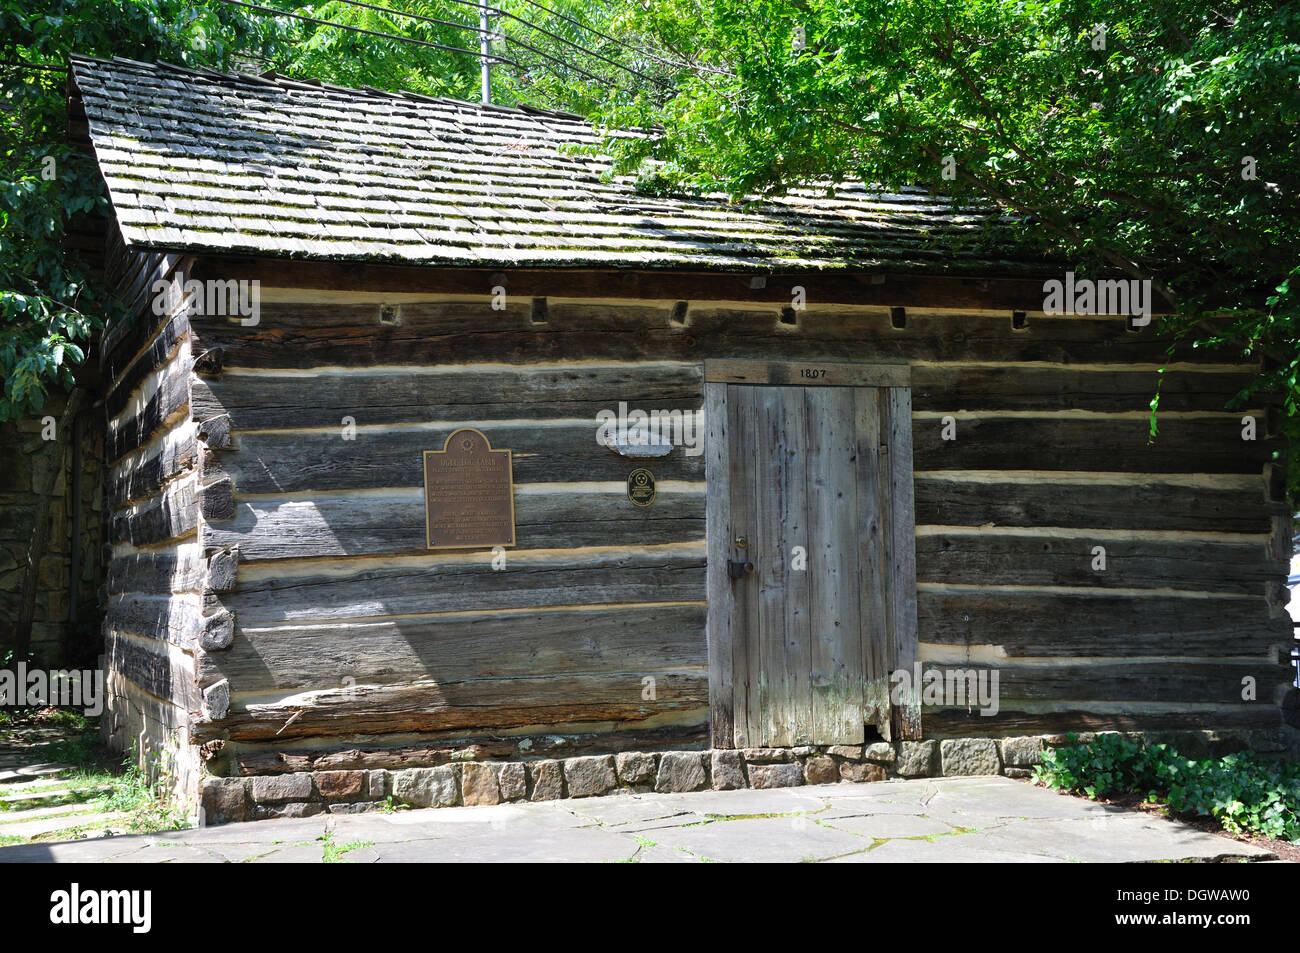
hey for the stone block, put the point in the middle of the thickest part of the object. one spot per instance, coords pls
(222, 801)
(1021, 752)
(635, 767)
(969, 756)
(880, 751)
(728, 769)
(478, 784)
(426, 787)
(680, 771)
(355, 807)
(859, 772)
(279, 788)
(546, 779)
(340, 785)
(590, 776)
(775, 775)
(917, 759)
(265, 812)
(513, 780)
(820, 770)
(767, 755)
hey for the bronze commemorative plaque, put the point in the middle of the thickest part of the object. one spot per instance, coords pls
(469, 494)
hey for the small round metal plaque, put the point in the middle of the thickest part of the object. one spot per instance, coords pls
(641, 487)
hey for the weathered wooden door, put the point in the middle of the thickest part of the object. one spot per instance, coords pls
(811, 557)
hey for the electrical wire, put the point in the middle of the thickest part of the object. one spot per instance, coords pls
(497, 11)
(414, 16)
(679, 64)
(556, 36)
(357, 29)
(491, 33)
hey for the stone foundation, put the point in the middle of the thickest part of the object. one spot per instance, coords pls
(471, 782)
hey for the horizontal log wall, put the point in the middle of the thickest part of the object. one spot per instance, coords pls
(342, 624)
(156, 572)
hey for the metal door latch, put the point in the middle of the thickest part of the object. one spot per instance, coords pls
(737, 569)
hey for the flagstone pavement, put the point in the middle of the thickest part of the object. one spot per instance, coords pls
(949, 820)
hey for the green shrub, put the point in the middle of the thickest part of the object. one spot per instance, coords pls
(1243, 792)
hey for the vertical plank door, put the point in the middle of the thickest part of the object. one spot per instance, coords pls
(811, 578)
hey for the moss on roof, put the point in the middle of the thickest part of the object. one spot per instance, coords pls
(206, 162)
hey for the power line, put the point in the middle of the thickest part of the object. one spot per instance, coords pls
(413, 16)
(545, 66)
(556, 36)
(483, 7)
(357, 29)
(680, 64)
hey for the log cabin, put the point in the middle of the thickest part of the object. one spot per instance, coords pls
(433, 443)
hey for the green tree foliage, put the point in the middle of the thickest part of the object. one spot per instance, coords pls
(1160, 141)
(1154, 140)
(49, 309)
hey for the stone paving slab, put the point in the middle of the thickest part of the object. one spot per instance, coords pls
(238, 853)
(567, 845)
(762, 840)
(74, 809)
(929, 852)
(663, 855)
(887, 826)
(1114, 838)
(950, 820)
(260, 832)
(33, 784)
(168, 854)
(523, 819)
(59, 822)
(981, 797)
(644, 811)
(291, 854)
(56, 791)
(24, 773)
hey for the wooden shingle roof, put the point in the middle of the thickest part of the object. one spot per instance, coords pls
(249, 165)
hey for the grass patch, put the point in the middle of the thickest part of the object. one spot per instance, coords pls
(334, 853)
(1243, 792)
(45, 717)
(147, 811)
(74, 740)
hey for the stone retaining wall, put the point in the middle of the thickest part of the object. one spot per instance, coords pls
(27, 459)
(470, 782)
